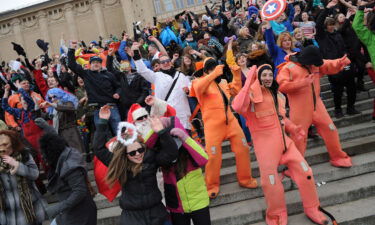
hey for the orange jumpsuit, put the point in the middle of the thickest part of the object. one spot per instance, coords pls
(306, 106)
(219, 125)
(268, 126)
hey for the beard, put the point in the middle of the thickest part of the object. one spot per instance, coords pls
(143, 127)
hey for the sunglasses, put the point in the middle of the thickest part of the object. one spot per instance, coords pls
(142, 118)
(53, 96)
(133, 153)
(165, 61)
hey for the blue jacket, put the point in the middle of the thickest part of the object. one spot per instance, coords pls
(277, 53)
(123, 55)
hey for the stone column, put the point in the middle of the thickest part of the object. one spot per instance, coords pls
(70, 18)
(128, 16)
(43, 24)
(16, 25)
(97, 8)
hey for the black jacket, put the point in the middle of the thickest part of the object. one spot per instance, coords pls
(331, 45)
(141, 197)
(69, 182)
(100, 86)
(135, 92)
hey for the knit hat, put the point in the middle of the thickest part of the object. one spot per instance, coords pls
(95, 58)
(310, 56)
(17, 76)
(135, 112)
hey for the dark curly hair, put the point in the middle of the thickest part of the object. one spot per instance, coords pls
(15, 140)
(52, 145)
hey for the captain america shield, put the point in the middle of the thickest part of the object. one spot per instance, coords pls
(273, 9)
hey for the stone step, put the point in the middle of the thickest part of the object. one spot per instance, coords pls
(360, 212)
(232, 192)
(327, 92)
(360, 96)
(325, 85)
(228, 174)
(332, 193)
(252, 210)
(323, 171)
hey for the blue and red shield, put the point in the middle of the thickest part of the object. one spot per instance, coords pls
(273, 9)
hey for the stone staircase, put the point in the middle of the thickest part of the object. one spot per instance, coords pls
(349, 194)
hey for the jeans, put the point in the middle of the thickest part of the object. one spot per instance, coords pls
(113, 121)
(54, 222)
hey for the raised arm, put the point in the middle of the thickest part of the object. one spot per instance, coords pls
(363, 33)
(270, 41)
(286, 82)
(200, 85)
(72, 64)
(241, 102)
(331, 67)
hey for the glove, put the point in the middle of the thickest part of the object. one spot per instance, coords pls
(178, 132)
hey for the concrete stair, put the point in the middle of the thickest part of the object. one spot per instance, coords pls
(349, 194)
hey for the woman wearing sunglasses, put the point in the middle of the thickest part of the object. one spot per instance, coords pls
(135, 167)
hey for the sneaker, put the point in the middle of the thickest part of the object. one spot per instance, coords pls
(352, 111)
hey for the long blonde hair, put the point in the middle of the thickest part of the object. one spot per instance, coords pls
(120, 165)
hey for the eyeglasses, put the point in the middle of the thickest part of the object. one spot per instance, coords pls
(165, 61)
(133, 153)
(53, 96)
(142, 118)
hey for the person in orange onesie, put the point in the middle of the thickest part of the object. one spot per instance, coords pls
(220, 124)
(264, 110)
(299, 78)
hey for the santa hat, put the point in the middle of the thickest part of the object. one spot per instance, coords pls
(136, 111)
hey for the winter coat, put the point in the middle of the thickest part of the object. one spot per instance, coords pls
(364, 34)
(331, 45)
(141, 198)
(135, 92)
(15, 214)
(163, 82)
(188, 193)
(100, 85)
(67, 125)
(69, 182)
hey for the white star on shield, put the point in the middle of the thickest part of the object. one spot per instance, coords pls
(271, 8)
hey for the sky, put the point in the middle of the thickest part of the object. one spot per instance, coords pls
(6, 5)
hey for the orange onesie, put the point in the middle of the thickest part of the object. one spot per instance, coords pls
(220, 124)
(306, 106)
(268, 126)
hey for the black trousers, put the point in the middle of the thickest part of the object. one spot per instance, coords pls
(345, 78)
(199, 217)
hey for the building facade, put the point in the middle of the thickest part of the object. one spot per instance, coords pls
(81, 20)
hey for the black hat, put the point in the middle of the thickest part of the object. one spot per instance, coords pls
(17, 76)
(18, 48)
(95, 58)
(310, 56)
(42, 45)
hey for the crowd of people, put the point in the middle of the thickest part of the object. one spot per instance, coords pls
(141, 110)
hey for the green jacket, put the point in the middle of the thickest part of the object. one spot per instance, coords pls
(364, 34)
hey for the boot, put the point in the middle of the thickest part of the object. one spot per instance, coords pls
(280, 219)
(352, 111)
(315, 215)
(342, 162)
(338, 113)
(252, 183)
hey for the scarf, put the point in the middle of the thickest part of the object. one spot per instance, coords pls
(170, 72)
(23, 190)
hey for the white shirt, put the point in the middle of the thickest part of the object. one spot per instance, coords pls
(163, 82)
